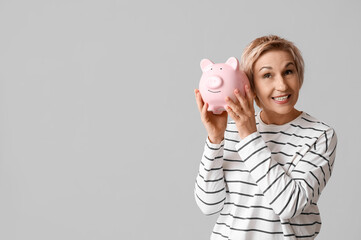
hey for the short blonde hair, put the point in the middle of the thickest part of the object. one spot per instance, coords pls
(267, 43)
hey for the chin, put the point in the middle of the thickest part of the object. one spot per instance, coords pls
(280, 110)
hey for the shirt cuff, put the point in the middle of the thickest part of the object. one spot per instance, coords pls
(213, 149)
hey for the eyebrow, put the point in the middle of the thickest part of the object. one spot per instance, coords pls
(290, 63)
(268, 67)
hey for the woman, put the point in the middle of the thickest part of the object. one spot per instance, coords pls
(264, 172)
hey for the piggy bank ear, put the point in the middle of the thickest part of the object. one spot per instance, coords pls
(206, 64)
(233, 62)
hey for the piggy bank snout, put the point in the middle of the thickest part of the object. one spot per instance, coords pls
(214, 82)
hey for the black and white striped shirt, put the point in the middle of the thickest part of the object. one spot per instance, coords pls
(266, 186)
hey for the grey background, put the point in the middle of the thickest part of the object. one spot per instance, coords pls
(100, 137)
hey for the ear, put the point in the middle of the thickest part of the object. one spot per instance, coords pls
(233, 62)
(206, 63)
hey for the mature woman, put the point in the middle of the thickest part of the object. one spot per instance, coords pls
(265, 172)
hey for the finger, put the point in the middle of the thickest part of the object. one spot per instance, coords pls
(242, 100)
(204, 111)
(249, 95)
(233, 104)
(199, 100)
(231, 113)
(236, 106)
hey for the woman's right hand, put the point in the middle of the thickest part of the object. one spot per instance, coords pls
(215, 124)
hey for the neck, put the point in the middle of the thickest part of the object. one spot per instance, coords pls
(279, 119)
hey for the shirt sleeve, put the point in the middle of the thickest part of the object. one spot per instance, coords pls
(289, 194)
(209, 188)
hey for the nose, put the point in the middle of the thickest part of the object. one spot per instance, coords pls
(281, 84)
(214, 82)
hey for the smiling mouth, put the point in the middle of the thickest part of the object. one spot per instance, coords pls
(214, 91)
(282, 98)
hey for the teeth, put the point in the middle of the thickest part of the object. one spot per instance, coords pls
(280, 98)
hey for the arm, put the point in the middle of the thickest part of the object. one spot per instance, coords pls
(209, 188)
(290, 194)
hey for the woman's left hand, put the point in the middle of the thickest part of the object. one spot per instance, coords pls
(242, 112)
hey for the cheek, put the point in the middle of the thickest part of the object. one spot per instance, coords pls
(263, 90)
(262, 93)
(296, 90)
(259, 99)
(296, 96)
(295, 84)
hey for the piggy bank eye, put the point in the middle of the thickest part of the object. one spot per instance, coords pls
(211, 68)
(220, 68)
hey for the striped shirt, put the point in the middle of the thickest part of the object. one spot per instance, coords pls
(266, 186)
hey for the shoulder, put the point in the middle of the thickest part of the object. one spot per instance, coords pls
(307, 121)
(313, 125)
(313, 120)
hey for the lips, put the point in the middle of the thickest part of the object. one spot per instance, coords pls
(282, 99)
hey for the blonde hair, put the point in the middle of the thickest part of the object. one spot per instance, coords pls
(267, 43)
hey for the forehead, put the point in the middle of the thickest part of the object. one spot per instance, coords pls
(274, 58)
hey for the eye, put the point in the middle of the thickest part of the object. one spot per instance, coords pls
(288, 72)
(267, 75)
(220, 68)
(211, 68)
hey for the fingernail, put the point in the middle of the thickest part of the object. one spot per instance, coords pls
(236, 91)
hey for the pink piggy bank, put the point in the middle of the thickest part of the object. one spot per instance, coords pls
(220, 80)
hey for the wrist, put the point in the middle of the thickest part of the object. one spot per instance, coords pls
(215, 140)
(243, 135)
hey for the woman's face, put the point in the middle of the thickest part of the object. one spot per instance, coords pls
(276, 86)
